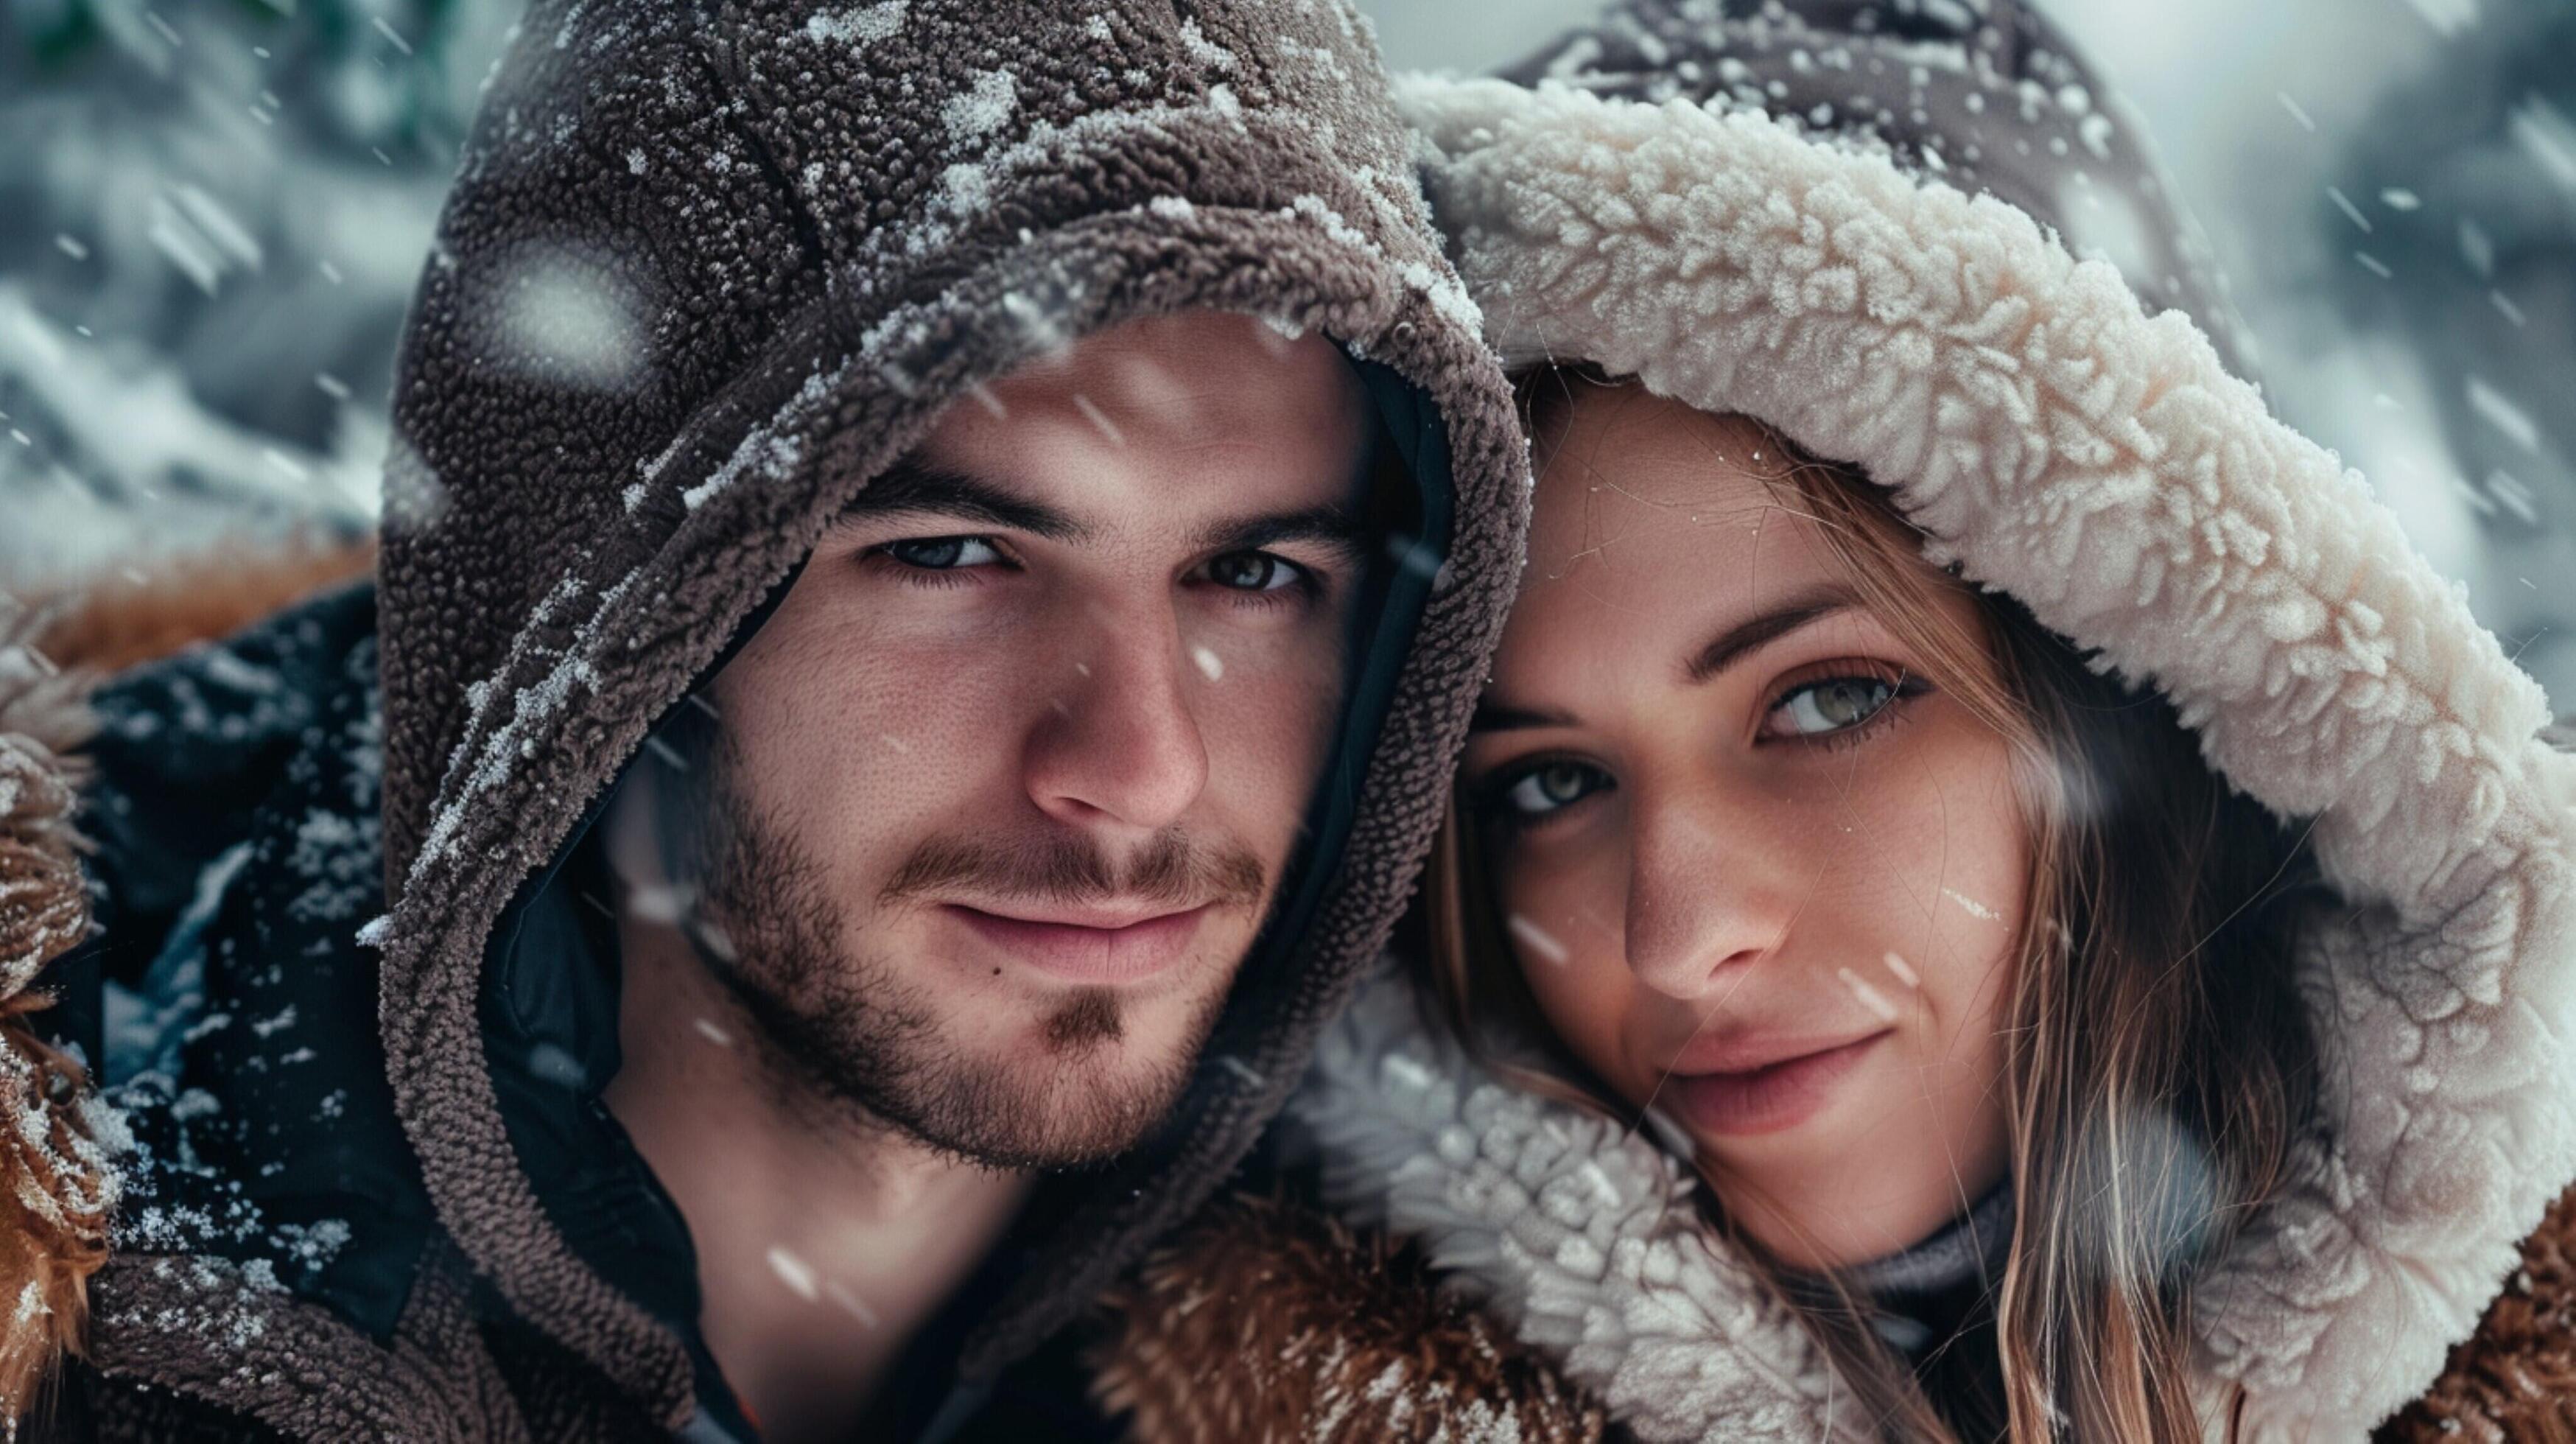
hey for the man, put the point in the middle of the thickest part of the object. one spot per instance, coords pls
(972, 836)
(933, 566)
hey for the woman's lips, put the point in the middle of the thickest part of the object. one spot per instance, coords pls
(1086, 952)
(1768, 1097)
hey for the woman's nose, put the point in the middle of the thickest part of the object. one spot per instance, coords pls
(1708, 895)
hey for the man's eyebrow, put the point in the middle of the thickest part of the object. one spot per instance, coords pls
(1333, 526)
(1760, 630)
(913, 485)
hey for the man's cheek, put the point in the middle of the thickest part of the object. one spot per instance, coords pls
(1275, 743)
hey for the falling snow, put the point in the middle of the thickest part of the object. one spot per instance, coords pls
(1537, 939)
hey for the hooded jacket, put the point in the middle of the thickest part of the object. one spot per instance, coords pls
(707, 268)
(1767, 210)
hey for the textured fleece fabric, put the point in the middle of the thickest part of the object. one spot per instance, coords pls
(1978, 95)
(707, 268)
(2102, 466)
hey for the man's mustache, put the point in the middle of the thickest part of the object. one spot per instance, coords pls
(1173, 868)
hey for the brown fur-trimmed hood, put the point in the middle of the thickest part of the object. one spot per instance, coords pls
(59, 1144)
(1267, 1321)
(1264, 1323)
(57, 1183)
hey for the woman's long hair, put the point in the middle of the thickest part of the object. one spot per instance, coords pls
(2158, 1062)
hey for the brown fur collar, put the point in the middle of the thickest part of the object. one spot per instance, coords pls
(1267, 1321)
(120, 621)
(2515, 1378)
(57, 1183)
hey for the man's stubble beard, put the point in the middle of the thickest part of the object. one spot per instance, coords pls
(835, 1024)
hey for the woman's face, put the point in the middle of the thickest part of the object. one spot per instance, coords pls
(1760, 874)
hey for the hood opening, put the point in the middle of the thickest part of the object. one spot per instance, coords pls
(547, 1004)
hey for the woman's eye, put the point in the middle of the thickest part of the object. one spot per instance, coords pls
(1253, 572)
(1832, 704)
(1550, 787)
(943, 553)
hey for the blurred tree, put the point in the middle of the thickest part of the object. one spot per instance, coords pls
(211, 218)
(2466, 179)
(2458, 199)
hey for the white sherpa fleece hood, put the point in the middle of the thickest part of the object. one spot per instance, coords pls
(2102, 467)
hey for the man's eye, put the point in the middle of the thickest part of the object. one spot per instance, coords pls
(1829, 705)
(943, 553)
(1254, 572)
(1551, 787)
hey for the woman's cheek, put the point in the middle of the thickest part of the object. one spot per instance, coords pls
(1576, 969)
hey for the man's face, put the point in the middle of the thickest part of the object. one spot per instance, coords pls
(1006, 784)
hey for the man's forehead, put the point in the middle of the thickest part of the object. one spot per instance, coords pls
(1204, 413)
(1199, 374)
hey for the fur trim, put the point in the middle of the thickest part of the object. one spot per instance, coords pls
(56, 1185)
(1265, 1322)
(1580, 1234)
(2516, 1378)
(2104, 469)
(119, 621)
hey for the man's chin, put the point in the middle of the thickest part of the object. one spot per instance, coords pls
(1079, 1082)
(1070, 1077)
(1041, 1109)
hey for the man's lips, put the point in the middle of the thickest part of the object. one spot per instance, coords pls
(1097, 945)
(1756, 1084)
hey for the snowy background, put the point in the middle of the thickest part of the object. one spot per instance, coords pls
(212, 213)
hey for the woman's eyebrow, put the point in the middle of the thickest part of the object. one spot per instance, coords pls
(1760, 630)
(1493, 717)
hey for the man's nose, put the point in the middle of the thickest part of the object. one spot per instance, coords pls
(1118, 741)
(1707, 896)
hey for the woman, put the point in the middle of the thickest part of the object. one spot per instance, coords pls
(1992, 892)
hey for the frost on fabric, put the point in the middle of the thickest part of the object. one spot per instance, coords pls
(335, 853)
(194, 1042)
(1206, 52)
(650, 470)
(983, 107)
(532, 708)
(492, 751)
(860, 25)
(967, 187)
(772, 449)
(181, 1203)
(1447, 294)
